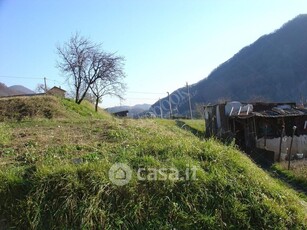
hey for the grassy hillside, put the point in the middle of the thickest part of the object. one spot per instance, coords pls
(44, 107)
(54, 175)
(297, 173)
(197, 127)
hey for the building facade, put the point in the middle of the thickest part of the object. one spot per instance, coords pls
(260, 128)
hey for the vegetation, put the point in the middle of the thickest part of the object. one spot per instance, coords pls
(198, 125)
(90, 70)
(44, 107)
(297, 173)
(54, 175)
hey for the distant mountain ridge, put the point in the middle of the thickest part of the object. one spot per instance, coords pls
(273, 68)
(21, 89)
(133, 110)
(14, 90)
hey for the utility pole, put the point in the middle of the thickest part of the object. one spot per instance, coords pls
(45, 84)
(280, 143)
(170, 106)
(161, 112)
(191, 116)
(301, 104)
(290, 151)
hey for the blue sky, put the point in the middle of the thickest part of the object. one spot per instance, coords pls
(165, 43)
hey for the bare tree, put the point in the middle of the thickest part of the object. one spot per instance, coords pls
(84, 62)
(90, 97)
(112, 86)
(40, 88)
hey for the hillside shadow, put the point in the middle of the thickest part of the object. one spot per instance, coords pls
(268, 166)
(185, 126)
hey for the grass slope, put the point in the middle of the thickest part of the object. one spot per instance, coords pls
(44, 107)
(297, 173)
(54, 175)
(197, 127)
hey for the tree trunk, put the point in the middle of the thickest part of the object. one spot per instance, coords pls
(84, 94)
(77, 95)
(76, 98)
(96, 104)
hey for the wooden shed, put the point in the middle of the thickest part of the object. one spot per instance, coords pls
(56, 91)
(123, 113)
(264, 127)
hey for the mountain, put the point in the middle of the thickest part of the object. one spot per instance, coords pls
(21, 89)
(4, 90)
(273, 68)
(133, 110)
(13, 90)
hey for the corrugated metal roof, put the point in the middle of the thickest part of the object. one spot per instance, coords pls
(273, 113)
(276, 112)
(269, 110)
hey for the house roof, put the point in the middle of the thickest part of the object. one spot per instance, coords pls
(55, 87)
(274, 113)
(277, 112)
(120, 112)
(271, 110)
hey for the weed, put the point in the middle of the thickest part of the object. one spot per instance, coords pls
(54, 175)
(5, 134)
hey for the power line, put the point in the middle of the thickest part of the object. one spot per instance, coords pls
(61, 83)
(22, 77)
(40, 78)
(52, 79)
(130, 98)
(36, 78)
(144, 92)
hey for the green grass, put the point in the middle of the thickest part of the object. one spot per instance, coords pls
(54, 175)
(46, 108)
(196, 124)
(297, 173)
(197, 127)
(85, 110)
(5, 134)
